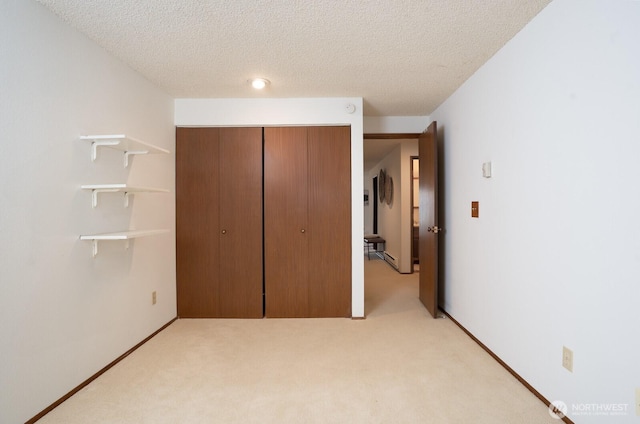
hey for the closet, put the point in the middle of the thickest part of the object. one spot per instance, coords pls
(307, 221)
(219, 222)
(263, 222)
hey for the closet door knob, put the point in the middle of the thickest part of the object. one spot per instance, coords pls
(302, 230)
(224, 231)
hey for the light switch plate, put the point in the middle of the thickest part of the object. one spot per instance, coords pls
(486, 169)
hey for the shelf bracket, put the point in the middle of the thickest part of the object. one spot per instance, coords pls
(94, 248)
(96, 144)
(126, 199)
(132, 152)
(94, 195)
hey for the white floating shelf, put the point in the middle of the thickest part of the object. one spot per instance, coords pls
(118, 188)
(122, 235)
(129, 145)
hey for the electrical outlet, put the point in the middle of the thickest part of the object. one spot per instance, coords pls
(567, 358)
(153, 298)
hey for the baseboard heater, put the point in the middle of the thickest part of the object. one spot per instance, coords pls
(390, 260)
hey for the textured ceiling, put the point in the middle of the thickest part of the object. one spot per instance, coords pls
(404, 57)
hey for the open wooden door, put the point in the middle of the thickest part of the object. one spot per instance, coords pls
(428, 153)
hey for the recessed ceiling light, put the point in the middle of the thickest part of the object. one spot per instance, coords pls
(259, 83)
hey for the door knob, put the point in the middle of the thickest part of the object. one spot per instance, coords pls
(435, 229)
(224, 231)
(302, 230)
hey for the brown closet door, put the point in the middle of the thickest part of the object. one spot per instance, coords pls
(240, 283)
(329, 152)
(307, 222)
(197, 217)
(219, 222)
(286, 245)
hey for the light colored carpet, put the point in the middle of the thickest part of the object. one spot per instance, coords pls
(397, 366)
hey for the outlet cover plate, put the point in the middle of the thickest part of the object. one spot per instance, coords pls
(567, 358)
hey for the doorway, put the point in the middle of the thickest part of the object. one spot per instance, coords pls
(424, 251)
(415, 213)
(389, 154)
